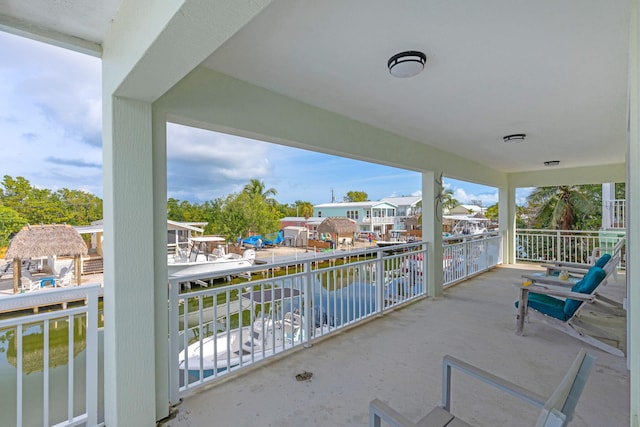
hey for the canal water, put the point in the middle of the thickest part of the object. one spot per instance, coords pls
(334, 304)
(33, 376)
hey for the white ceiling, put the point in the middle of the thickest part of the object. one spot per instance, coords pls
(555, 70)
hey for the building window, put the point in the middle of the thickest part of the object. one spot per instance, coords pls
(352, 215)
(319, 214)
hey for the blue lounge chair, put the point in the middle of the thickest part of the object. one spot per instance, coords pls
(557, 307)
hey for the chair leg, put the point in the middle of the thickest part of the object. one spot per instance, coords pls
(570, 329)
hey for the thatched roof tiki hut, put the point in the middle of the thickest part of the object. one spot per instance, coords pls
(341, 227)
(45, 241)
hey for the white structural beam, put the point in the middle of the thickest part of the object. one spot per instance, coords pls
(507, 222)
(211, 100)
(432, 229)
(155, 43)
(48, 35)
(633, 216)
(128, 257)
(150, 46)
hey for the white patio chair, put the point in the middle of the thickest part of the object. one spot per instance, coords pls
(555, 411)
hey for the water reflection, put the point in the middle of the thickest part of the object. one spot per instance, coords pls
(33, 379)
(33, 344)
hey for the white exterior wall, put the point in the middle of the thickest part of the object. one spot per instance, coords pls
(135, 73)
(633, 216)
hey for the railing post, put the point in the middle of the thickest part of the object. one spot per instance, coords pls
(558, 246)
(174, 336)
(465, 254)
(306, 298)
(425, 266)
(92, 357)
(380, 273)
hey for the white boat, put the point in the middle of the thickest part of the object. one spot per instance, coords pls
(466, 225)
(196, 259)
(396, 237)
(267, 336)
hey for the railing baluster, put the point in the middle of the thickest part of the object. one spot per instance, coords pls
(51, 411)
(307, 304)
(356, 290)
(45, 379)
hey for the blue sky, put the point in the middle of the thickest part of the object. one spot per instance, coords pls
(50, 122)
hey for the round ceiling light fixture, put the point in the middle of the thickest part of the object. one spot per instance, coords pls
(552, 163)
(516, 137)
(407, 64)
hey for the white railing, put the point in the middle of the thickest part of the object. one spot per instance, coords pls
(568, 245)
(228, 328)
(469, 255)
(55, 357)
(614, 213)
(379, 220)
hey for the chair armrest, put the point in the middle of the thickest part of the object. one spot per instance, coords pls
(571, 270)
(548, 280)
(513, 389)
(563, 264)
(378, 410)
(557, 292)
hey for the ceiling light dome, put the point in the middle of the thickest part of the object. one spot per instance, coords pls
(407, 64)
(516, 137)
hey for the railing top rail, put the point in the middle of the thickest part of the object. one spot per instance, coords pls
(291, 275)
(472, 236)
(304, 258)
(48, 297)
(563, 232)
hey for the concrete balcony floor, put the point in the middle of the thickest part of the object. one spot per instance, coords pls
(397, 358)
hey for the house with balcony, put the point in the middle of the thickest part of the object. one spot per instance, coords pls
(376, 217)
(506, 94)
(407, 207)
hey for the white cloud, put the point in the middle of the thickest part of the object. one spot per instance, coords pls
(50, 133)
(50, 115)
(487, 198)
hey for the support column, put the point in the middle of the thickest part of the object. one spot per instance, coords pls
(507, 223)
(161, 294)
(608, 195)
(432, 229)
(633, 216)
(129, 361)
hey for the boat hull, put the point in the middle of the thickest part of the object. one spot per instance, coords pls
(218, 267)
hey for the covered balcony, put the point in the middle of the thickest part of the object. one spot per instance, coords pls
(506, 94)
(397, 358)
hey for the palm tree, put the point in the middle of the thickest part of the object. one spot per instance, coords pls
(306, 209)
(448, 201)
(255, 187)
(561, 207)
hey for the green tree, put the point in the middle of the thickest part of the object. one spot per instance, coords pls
(448, 201)
(15, 193)
(80, 207)
(356, 196)
(243, 214)
(305, 209)
(10, 222)
(565, 207)
(492, 214)
(41, 206)
(255, 187)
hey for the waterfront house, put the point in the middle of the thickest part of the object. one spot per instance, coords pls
(310, 224)
(507, 94)
(376, 217)
(408, 207)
